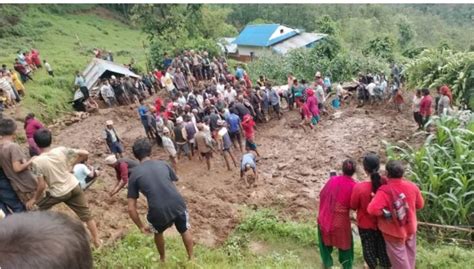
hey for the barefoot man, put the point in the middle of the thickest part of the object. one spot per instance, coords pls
(166, 207)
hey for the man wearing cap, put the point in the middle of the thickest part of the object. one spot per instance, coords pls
(180, 138)
(123, 168)
(248, 162)
(168, 145)
(112, 139)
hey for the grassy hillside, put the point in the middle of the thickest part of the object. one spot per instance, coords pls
(66, 40)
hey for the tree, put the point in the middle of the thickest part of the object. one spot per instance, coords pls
(326, 25)
(380, 47)
(405, 33)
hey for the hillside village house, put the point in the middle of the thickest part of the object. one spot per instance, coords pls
(254, 40)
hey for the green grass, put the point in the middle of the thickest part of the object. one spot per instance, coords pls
(280, 244)
(55, 37)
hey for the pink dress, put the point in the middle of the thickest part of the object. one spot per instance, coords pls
(333, 218)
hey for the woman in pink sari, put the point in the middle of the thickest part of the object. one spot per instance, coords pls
(334, 226)
(31, 126)
(312, 103)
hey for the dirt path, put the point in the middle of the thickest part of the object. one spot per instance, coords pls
(293, 167)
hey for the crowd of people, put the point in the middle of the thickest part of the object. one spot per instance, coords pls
(12, 80)
(207, 110)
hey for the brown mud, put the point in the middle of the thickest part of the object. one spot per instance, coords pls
(293, 167)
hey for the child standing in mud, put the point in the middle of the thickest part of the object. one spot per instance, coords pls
(248, 125)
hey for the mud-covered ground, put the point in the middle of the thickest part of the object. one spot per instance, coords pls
(293, 167)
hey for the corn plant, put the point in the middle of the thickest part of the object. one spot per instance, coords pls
(443, 168)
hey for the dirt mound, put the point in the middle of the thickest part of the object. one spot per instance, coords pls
(293, 167)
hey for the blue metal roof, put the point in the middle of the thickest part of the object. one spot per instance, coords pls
(259, 35)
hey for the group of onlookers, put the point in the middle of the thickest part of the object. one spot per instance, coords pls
(12, 81)
(386, 208)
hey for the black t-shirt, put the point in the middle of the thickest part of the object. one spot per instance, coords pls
(154, 179)
(241, 110)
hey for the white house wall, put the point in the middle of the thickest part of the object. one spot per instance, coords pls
(258, 51)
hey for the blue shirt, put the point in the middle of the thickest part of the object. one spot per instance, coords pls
(239, 73)
(248, 158)
(234, 122)
(327, 82)
(142, 110)
(80, 81)
(274, 98)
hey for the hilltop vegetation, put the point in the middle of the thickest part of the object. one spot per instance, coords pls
(65, 35)
(363, 36)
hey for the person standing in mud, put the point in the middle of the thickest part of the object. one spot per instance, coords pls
(225, 143)
(204, 144)
(166, 206)
(248, 126)
(334, 224)
(52, 169)
(112, 140)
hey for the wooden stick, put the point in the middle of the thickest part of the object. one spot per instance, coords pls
(446, 227)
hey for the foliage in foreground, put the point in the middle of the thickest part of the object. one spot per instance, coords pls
(436, 67)
(287, 244)
(443, 168)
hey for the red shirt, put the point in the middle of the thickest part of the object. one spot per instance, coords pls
(425, 106)
(390, 228)
(121, 170)
(360, 199)
(248, 125)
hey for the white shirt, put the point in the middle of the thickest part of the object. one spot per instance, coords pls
(220, 88)
(339, 89)
(370, 88)
(230, 95)
(78, 95)
(167, 80)
(48, 66)
(168, 146)
(182, 100)
(320, 94)
(81, 171)
(107, 91)
(416, 103)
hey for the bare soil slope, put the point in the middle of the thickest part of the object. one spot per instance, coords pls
(294, 165)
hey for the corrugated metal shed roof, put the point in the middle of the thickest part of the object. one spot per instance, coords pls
(299, 41)
(227, 43)
(259, 35)
(97, 67)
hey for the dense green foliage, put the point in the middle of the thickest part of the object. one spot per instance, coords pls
(437, 67)
(304, 63)
(411, 25)
(444, 170)
(172, 28)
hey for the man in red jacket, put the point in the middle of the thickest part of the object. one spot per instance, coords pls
(425, 106)
(395, 206)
